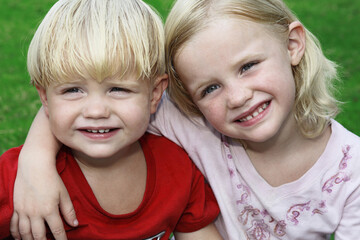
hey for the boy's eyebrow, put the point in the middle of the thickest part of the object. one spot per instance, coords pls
(76, 81)
(123, 81)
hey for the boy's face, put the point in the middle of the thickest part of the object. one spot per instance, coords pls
(101, 120)
(240, 77)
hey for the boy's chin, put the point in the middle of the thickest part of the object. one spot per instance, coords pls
(97, 156)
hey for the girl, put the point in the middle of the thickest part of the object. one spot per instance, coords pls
(256, 116)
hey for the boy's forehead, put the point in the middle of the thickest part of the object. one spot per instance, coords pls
(131, 79)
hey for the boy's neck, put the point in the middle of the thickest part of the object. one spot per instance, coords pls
(118, 185)
(106, 163)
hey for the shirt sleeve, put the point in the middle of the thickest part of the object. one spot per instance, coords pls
(8, 169)
(349, 226)
(202, 208)
(170, 122)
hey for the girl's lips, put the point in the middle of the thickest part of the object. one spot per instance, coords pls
(254, 115)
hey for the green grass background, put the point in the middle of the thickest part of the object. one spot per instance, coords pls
(335, 22)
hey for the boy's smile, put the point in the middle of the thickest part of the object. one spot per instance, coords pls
(239, 75)
(99, 120)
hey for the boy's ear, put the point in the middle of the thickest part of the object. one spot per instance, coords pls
(159, 87)
(43, 98)
(297, 42)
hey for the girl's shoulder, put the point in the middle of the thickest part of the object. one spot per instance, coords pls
(342, 135)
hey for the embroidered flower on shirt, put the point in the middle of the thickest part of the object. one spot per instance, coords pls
(244, 195)
(280, 228)
(259, 230)
(295, 211)
(340, 176)
(334, 180)
(343, 162)
(248, 211)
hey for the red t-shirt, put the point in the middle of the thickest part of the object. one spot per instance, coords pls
(176, 196)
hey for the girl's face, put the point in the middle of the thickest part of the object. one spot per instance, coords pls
(240, 77)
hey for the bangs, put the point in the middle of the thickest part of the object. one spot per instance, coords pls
(95, 39)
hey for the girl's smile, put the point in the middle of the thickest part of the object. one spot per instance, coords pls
(252, 116)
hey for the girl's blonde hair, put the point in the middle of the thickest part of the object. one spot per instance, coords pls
(97, 39)
(315, 103)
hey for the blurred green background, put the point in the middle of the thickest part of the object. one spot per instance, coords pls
(334, 22)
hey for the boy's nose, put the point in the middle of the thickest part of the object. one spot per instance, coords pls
(96, 107)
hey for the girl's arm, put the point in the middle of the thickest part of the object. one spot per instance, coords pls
(207, 233)
(39, 191)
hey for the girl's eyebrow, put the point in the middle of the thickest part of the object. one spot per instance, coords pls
(245, 58)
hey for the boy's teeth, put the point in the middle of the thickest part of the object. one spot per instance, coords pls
(98, 131)
(255, 113)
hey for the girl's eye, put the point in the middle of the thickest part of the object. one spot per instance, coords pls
(209, 90)
(247, 67)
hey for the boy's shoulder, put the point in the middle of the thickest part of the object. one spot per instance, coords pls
(163, 148)
(10, 157)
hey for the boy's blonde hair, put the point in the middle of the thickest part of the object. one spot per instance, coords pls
(97, 39)
(314, 104)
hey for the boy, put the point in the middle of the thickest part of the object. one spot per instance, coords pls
(98, 67)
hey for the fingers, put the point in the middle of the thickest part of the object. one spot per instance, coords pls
(67, 209)
(56, 226)
(14, 226)
(25, 228)
(38, 229)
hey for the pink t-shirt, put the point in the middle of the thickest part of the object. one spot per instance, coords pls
(324, 200)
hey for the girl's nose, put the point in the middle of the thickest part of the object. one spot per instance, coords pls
(238, 95)
(96, 107)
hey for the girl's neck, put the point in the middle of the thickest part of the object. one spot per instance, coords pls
(287, 157)
(287, 136)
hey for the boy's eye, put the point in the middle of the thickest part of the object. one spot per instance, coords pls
(209, 90)
(119, 89)
(72, 90)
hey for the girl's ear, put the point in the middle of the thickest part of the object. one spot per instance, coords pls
(297, 42)
(43, 98)
(159, 87)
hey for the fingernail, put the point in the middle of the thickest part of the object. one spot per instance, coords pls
(76, 222)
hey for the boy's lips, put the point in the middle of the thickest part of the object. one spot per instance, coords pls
(99, 132)
(253, 112)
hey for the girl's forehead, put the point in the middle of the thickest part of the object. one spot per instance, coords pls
(228, 31)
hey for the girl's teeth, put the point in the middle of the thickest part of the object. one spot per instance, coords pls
(255, 113)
